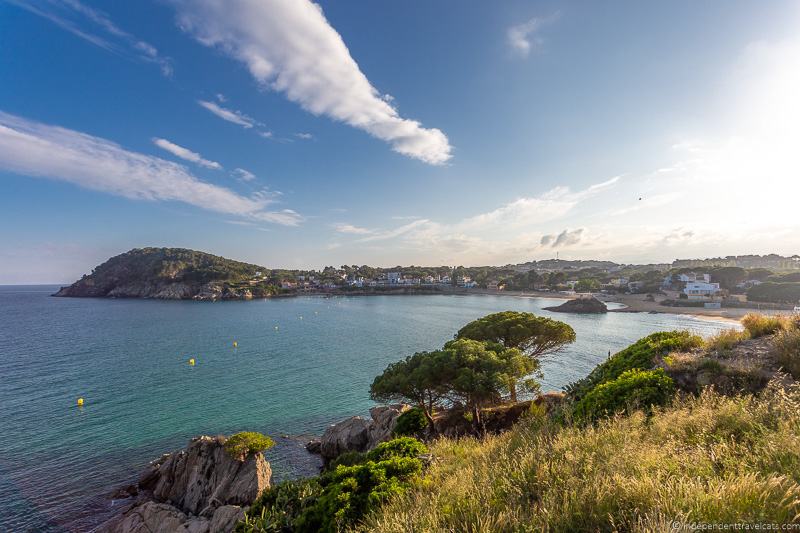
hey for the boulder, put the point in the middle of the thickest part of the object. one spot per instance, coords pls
(357, 434)
(581, 305)
(153, 517)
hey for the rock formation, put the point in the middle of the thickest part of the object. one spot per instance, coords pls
(200, 489)
(357, 434)
(581, 305)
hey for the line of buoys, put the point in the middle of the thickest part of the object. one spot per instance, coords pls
(80, 402)
(191, 361)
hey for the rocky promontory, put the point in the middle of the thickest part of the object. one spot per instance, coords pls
(581, 305)
(173, 274)
(199, 489)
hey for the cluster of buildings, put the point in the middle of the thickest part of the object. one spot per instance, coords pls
(397, 279)
(695, 286)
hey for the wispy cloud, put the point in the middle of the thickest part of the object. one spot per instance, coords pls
(39, 150)
(185, 153)
(289, 46)
(304, 136)
(72, 16)
(244, 175)
(522, 38)
(351, 229)
(236, 117)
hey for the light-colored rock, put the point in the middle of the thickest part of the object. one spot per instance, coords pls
(200, 489)
(351, 435)
(384, 419)
(225, 518)
(152, 517)
(204, 476)
(357, 434)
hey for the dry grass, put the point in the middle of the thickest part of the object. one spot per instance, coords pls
(786, 345)
(724, 341)
(707, 459)
(759, 325)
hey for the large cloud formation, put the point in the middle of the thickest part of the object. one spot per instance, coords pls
(289, 46)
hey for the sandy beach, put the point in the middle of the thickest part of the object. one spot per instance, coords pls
(638, 303)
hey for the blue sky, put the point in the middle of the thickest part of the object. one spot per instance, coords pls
(294, 134)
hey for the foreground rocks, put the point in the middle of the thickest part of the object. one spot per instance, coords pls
(357, 434)
(581, 305)
(200, 489)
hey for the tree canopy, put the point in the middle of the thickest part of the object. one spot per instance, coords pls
(531, 334)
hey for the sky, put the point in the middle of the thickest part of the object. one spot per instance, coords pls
(295, 134)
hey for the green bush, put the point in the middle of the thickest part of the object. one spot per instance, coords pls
(276, 510)
(347, 459)
(411, 423)
(633, 390)
(242, 444)
(350, 492)
(340, 497)
(401, 447)
(641, 354)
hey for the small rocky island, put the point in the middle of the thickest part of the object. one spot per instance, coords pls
(581, 305)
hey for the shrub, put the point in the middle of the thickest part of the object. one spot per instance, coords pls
(242, 444)
(340, 497)
(641, 354)
(632, 390)
(786, 345)
(411, 423)
(276, 510)
(759, 325)
(725, 340)
(347, 459)
(401, 447)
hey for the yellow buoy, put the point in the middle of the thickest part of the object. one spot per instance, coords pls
(80, 402)
(235, 344)
(191, 361)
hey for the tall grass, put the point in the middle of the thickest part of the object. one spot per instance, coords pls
(759, 325)
(786, 345)
(725, 340)
(705, 459)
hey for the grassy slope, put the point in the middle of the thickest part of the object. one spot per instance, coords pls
(711, 458)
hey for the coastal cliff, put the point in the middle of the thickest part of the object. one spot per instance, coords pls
(172, 274)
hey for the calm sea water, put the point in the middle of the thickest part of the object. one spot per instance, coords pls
(301, 363)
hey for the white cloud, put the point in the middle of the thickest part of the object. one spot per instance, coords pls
(39, 150)
(266, 134)
(118, 41)
(185, 153)
(522, 38)
(237, 117)
(244, 175)
(289, 46)
(304, 136)
(353, 230)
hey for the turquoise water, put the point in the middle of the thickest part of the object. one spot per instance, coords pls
(301, 363)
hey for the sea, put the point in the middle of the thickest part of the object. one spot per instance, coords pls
(299, 364)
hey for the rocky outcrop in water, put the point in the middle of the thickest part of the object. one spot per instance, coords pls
(581, 305)
(357, 434)
(200, 489)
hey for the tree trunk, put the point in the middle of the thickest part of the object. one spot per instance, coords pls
(512, 388)
(477, 421)
(429, 417)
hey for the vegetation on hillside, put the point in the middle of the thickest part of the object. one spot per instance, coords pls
(710, 458)
(622, 452)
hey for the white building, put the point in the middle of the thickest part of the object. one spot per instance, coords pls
(394, 277)
(698, 290)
